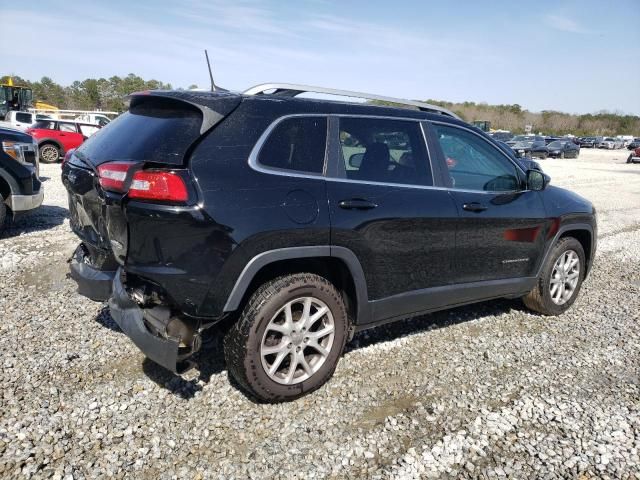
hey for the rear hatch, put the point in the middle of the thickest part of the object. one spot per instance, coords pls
(158, 131)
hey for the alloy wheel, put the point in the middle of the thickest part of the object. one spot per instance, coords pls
(49, 154)
(297, 340)
(564, 277)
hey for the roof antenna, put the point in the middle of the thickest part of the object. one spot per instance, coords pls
(213, 85)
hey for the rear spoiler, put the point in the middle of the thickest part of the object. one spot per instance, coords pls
(214, 106)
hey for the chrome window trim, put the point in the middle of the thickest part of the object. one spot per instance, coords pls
(255, 165)
(255, 152)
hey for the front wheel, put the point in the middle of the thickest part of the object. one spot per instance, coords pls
(49, 153)
(288, 339)
(560, 279)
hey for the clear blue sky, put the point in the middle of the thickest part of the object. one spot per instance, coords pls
(574, 56)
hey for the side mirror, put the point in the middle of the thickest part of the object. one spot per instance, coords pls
(355, 160)
(536, 180)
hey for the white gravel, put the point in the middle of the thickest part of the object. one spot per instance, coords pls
(489, 390)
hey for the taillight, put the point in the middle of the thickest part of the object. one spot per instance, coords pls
(153, 184)
(158, 185)
(112, 175)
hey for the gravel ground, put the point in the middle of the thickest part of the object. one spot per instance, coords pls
(488, 390)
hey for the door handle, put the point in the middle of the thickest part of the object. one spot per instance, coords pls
(357, 204)
(474, 207)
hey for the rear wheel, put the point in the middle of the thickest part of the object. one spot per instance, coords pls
(49, 153)
(288, 339)
(560, 279)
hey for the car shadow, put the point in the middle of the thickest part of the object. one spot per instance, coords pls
(42, 218)
(104, 318)
(210, 359)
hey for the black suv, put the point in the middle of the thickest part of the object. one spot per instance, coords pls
(20, 187)
(296, 222)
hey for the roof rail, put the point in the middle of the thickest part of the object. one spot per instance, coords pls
(292, 90)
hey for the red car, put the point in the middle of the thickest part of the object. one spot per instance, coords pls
(634, 156)
(56, 137)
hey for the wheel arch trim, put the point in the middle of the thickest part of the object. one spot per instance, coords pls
(271, 256)
(14, 188)
(569, 228)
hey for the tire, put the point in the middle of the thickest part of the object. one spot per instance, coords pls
(540, 298)
(254, 331)
(49, 153)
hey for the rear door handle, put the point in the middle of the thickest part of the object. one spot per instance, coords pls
(357, 204)
(474, 207)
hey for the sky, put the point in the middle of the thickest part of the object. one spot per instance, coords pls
(573, 56)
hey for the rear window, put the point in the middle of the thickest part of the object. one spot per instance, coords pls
(296, 144)
(156, 131)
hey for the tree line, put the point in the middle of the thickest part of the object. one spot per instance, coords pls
(89, 94)
(514, 118)
(109, 94)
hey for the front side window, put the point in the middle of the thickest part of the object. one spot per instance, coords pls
(384, 150)
(297, 144)
(45, 125)
(473, 163)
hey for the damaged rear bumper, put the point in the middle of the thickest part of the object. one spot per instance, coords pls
(149, 331)
(130, 318)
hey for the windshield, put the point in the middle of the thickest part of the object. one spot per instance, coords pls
(522, 138)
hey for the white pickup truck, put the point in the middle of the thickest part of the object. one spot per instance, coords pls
(22, 120)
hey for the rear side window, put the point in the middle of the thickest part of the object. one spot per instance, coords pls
(297, 144)
(23, 117)
(382, 150)
(158, 130)
(68, 127)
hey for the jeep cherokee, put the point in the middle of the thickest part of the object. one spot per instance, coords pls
(300, 221)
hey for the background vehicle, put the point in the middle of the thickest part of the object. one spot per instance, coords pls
(563, 149)
(22, 120)
(529, 146)
(501, 135)
(94, 118)
(590, 142)
(302, 221)
(20, 187)
(14, 97)
(483, 125)
(608, 142)
(55, 137)
(634, 144)
(634, 156)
